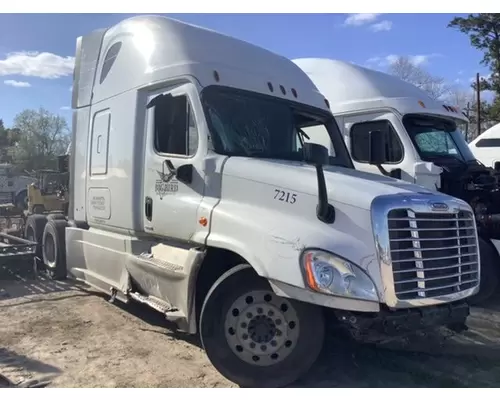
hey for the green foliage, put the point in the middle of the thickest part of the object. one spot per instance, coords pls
(483, 30)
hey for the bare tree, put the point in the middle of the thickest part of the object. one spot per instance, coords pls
(408, 71)
(43, 136)
(459, 97)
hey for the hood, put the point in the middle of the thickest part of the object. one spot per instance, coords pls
(344, 185)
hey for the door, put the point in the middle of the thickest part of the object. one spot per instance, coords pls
(174, 181)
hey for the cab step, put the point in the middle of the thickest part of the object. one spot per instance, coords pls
(153, 302)
(171, 313)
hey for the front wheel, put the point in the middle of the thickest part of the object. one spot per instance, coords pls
(254, 337)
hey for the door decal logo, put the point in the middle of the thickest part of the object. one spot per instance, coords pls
(166, 184)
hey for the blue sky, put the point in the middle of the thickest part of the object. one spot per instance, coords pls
(36, 50)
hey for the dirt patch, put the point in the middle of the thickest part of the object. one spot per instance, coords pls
(63, 335)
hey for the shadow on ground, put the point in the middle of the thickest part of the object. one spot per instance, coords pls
(23, 280)
(11, 362)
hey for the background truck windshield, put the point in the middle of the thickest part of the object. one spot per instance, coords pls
(436, 138)
(260, 126)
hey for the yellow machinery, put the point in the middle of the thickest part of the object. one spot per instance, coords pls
(50, 193)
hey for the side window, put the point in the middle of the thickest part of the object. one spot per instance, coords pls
(109, 60)
(318, 134)
(488, 143)
(360, 141)
(175, 127)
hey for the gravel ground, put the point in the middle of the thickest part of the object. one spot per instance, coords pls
(61, 334)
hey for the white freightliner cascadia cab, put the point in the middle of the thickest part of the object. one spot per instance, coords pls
(422, 142)
(192, 191)
(486, 147)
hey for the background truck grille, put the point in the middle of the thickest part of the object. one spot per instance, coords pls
(432, 254)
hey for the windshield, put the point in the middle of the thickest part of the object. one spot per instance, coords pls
(437, 138)
(251, 125)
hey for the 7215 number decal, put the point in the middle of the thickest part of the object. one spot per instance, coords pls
(284, 196)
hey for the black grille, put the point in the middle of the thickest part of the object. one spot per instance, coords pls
(433, 254)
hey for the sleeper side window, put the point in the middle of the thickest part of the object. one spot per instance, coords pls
(109, 60)
(175, 127)
(360, 141)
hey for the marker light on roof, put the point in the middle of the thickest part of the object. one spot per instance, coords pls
(294, 92)
(282, 89)
(327, 103)
(421, 103)
(446, 108)
(270, 86)
(216, 76)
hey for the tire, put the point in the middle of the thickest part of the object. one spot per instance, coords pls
(54, 249)
(33, 231)
(490, 273)
(56, 216)
(275, 357)
(22, 200)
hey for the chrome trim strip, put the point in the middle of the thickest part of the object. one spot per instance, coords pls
(414, 203)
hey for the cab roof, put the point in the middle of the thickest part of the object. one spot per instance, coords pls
(145, 50)
(350, 87)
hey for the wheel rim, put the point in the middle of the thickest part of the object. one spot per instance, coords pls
(50, 250)
(262, 328)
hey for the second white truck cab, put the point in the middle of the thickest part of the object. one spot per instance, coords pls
(486, 147)
(193, 190)
(423, 144)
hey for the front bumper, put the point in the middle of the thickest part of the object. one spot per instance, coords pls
(391, 324)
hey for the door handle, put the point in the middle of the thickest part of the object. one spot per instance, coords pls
(148, 208)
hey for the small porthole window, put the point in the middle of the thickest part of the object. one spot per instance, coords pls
(109, 60)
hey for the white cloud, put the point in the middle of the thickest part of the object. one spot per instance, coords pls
(65, 108)
(11, 82)
(71, 88)
(381, 26)
(41, 65)
(418, 59)
(360, 19)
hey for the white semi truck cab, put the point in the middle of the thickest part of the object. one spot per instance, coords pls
(194, 190)
(422, 141)
(486, 147)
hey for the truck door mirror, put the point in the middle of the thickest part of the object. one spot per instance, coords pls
(185, 173)
(315, 154)
(377, 141)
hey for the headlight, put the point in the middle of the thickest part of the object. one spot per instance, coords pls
(327, 273)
